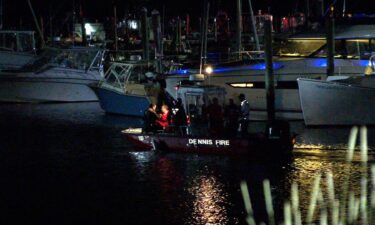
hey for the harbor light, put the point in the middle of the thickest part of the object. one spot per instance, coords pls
(208, 70)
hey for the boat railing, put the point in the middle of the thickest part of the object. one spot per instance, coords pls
(222, 57)
(251, 55)
(122, 55)
(372, 64)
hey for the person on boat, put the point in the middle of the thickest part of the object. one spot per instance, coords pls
(150, 118)
(164, 118)
(244, 114)
(215, 117)
(180, 119)
(231, 115)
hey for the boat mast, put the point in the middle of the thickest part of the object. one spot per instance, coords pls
(115, 26)
(37, 24)
(238, 27)
(1, 14)
(254, 27)
(74, 22)
(204, 27)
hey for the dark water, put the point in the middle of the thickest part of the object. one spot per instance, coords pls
(68, 164)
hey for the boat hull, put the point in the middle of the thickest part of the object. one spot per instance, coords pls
(253, 145)
(335, 103)
(14, 60)
(24, 89)
(120, 103)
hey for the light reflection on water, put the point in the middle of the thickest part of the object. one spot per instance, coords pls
(209, 201)
(308, 164)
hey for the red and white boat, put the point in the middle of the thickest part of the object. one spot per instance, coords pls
(254, 144)
(276, 141)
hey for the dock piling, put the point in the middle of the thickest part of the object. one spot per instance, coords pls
(156, 25)
(330, 30)
(269, 80)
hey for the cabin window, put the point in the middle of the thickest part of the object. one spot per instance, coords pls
(26, 43)
(8, 41)
(358, 49)
(349, 49)
(299, 48)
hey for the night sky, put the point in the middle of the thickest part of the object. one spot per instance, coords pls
(17, 12)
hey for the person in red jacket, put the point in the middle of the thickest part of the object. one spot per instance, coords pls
(164, 118)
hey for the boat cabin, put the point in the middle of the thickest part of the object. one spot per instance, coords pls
(195, 97)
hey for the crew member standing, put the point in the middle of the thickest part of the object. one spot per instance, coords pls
(215, 117)
(244, 114)
(231, 114)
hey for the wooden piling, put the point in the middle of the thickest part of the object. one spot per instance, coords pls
(145, 35)
(330, 36)
(156, 25)
(269, 80)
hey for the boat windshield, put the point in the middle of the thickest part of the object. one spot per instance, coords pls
(17, 41)
(81, 59)
(350, 49)
(120, 74)
(299, 47)
(317, 48)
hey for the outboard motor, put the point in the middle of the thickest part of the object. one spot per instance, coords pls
(280, 130)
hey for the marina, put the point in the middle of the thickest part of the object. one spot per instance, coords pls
(199, 112)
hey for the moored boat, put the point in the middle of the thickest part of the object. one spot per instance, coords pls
(125, 88)
(57, 75)
(298, 57)
(339, 102)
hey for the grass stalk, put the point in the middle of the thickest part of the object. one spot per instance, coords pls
(269, 204)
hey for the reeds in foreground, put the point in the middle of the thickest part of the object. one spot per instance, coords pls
(326, 206)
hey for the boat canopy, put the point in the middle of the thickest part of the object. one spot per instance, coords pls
(86, 59)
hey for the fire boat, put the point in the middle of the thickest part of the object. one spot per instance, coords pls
(276, 140)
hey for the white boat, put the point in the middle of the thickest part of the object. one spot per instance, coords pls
(57, 75)
(303, 57)
(17, 48)
(339, 102)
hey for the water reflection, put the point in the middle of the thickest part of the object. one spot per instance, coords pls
(310, 163)
(209, 201)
